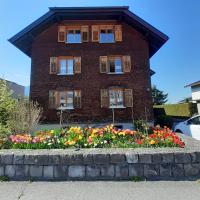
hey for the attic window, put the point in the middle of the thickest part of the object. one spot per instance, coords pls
(107, 35)
(73, 36)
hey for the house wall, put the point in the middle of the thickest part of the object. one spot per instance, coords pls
(90, 81)
(196, 92)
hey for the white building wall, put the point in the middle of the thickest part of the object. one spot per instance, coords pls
(196, 93)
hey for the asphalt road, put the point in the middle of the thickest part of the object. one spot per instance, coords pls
(158, 190)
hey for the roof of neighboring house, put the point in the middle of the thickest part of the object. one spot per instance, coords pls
(23, 40)
(193, 84)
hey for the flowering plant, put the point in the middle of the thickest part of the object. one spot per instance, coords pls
(106, 137)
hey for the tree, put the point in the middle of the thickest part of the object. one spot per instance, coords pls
(7, 103)
(158, 96)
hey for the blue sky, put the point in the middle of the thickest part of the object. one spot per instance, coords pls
(176, 64)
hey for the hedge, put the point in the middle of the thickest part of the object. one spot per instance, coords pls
(176, 110)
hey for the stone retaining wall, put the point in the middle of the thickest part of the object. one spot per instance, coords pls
(113, 164)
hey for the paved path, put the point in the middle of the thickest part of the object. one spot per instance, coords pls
(160, 190)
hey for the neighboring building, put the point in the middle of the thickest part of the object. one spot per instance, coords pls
(91, 60)
(195, 87)
(17, 90)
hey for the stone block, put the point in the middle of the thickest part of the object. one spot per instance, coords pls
(60, 172)
(64, 159)
(165, 170)
(88, 159)
(117, 158)
(168, 158)
(93, 171)
(101, 158)
(2, 170)
(121, 171)
(36, 171)
(156, 158)
(18, 159)
(151, 170)
(177, 170)
(76, 159)
(195, 157)
(22, 171)
(145, 158)
(30, 159)
(182, 158)
(132, 158)
(76, 171)
(107, 171)
(48, 172)
(136, 170)
(10, 171)
(7, 159)
(43, 159)
(54, 159)
(192, 170)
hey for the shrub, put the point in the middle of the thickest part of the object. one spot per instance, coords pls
(164, 120)
(25, 117)
(7, 103)
(176, 110)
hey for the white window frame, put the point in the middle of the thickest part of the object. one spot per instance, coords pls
(116, 105)
(74, 30)
(117, 57)
(67, 66)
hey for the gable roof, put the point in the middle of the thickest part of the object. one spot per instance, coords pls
(23, 40)
(193, 84)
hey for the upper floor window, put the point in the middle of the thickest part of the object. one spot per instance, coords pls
(107, 35)
(65, 65)
(100, 33)
(115, 64)
(73, 36)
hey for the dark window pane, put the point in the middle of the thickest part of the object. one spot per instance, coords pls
(112, 65)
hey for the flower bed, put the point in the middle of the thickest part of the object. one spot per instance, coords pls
(105, 137)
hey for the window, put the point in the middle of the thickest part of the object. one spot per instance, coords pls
(116, 98)
(66, 99)
(66, 66)
(73, 36)
(107, 35)
(194, 121)
(115, 65)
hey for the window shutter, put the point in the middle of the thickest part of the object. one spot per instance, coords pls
(128, 96)
(126, 63)
(103, 64)
(77, 65)
(95, 33)
(85, 33)
(61, 34)
(52, 99)
(53, 65)
(57, 99)
(118, 33)
(77, 99)
(104, 98)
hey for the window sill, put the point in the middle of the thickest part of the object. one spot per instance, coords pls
(65, 74)
(117, 107)
(65, 108)
(115, 73)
